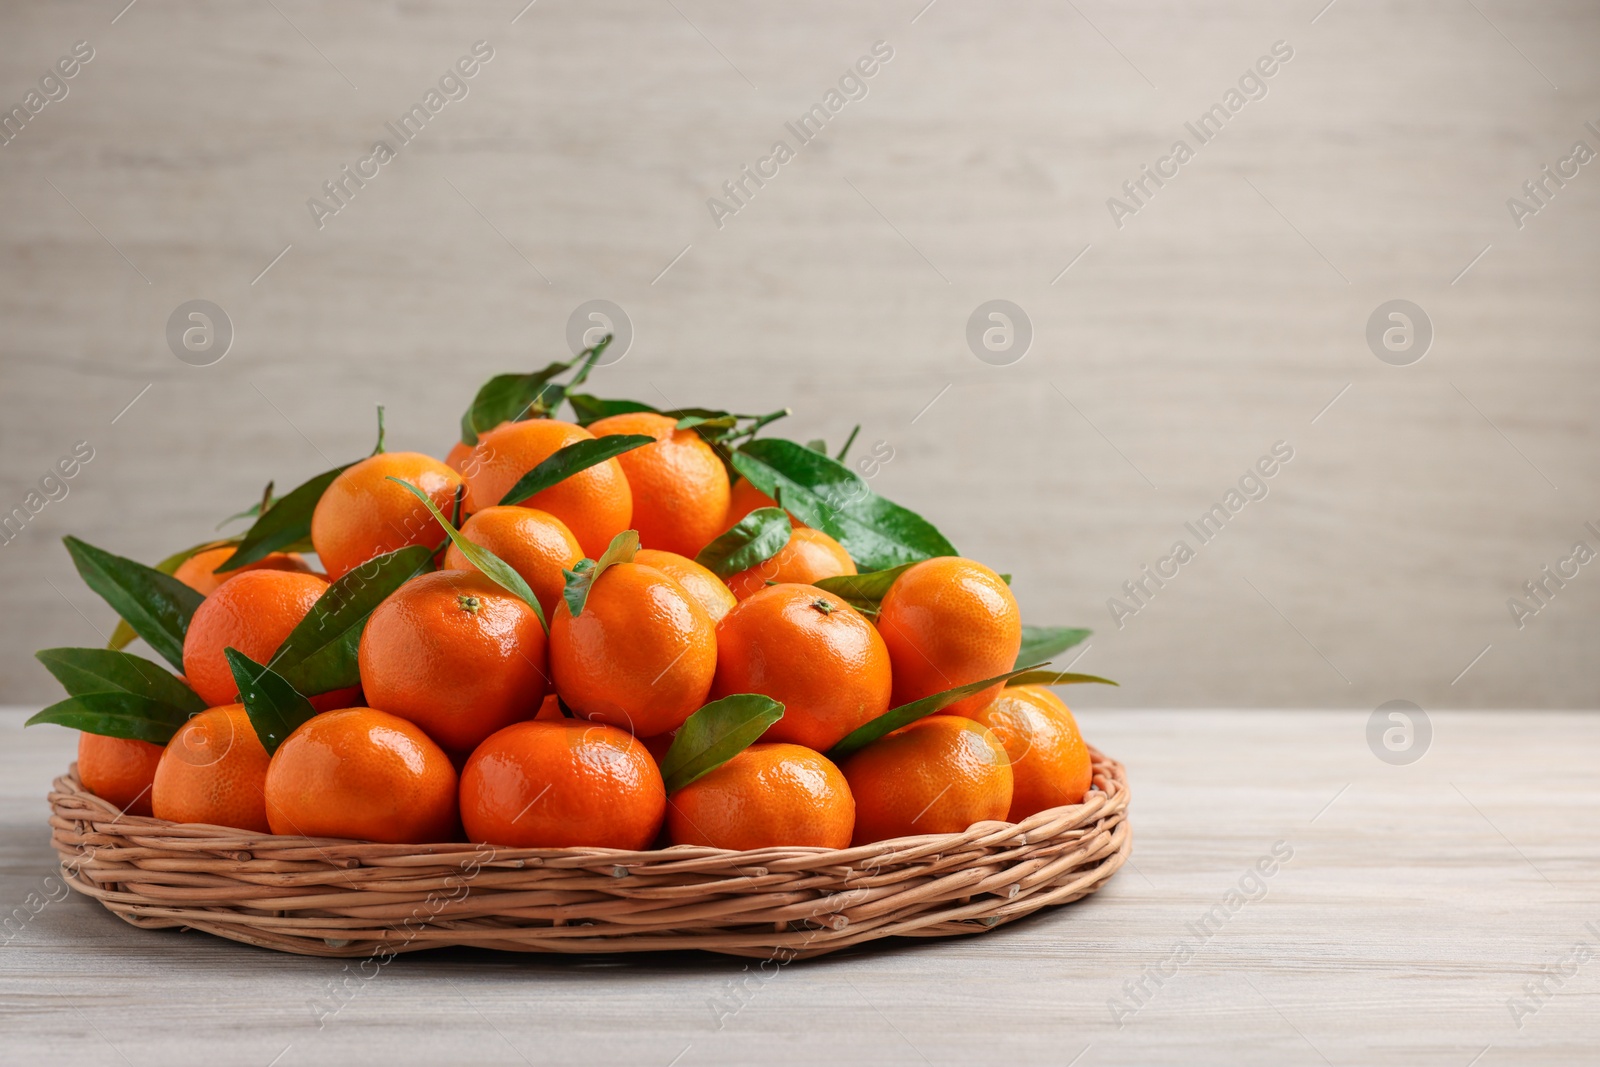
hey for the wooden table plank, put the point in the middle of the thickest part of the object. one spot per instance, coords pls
(1415, 902)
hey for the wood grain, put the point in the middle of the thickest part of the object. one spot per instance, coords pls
(1417, 901)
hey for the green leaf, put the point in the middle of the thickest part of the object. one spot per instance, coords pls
(123, 635)
(754, 539)
(319, 655)
(564, 462)
(82, 671)
(275, 708)
(817, 444)
(157, 606)
(492, 566)
(1055, 678)
(827, 495)
(1040, 643)
(283, 524)
(864, 591)
(715, 734)
(905, 714)
(116, 715)
(584, 573)
(589, 408)
(507, 398)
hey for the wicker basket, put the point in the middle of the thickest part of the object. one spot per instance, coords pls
(331, 897)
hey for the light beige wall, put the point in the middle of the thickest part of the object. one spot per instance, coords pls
(1218, 320)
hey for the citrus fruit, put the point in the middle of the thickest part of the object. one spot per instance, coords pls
(810, 556)
(252, 612)
(769, 795)
(363, 774)
(595, 503)
(362, 514)
(744, 498)
(712, 593)
(214, 770)
(562, 785)
(456, 654)
(947, 622)
(534, 543)
(550, 708)
(811, 652)
(1049, 760)
(199, 571)
(456, 458)
(939, 775)
(119, 770)
(640, 656)
(680, 487)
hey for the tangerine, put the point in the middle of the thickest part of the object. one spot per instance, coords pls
(1050, 763)
(712, 593)
(809, 556)
(534, 543)
(680, 487)
(199, 571)
(214, 770)
(362, 774)
(948, 622)
(562, 785)
(744, 498)
(810, 651)
(119, 769)
(767, 796)
(595, 503)
(641, 656)
(363, 514)
(456, 654)
(252, 612)
(938, 775)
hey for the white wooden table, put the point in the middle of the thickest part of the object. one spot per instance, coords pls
(1417, 903)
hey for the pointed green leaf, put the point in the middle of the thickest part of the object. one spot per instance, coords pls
(157, 606)
(567, 461)
(584, 573)
(101, 670)
(715, 734)
(864, 591)
(754, 539)
(123, 635)
(116, 715)
(905, 714)
(493, 567)
(1044, 642)
(826, 495)
(589, 408)
(1055, 678)
(319, 655)
(507, 398)
(283, 524)
(275, 708)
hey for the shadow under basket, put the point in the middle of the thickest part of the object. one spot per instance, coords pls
(333, 897)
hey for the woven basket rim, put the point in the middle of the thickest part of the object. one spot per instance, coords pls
(337, 897)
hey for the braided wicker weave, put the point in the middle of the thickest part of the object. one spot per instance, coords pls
(329, 897)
